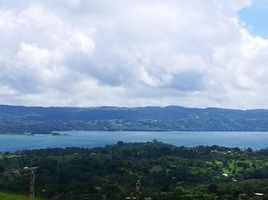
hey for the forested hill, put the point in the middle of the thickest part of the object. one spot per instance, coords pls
(165, 172)
(20, 119)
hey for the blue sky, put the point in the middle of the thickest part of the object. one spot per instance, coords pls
(256, 17)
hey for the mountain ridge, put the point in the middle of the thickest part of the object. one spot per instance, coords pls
(21, 119)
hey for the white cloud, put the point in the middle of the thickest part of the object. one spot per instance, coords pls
(130, 53)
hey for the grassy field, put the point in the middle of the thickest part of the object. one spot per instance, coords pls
(9, 196)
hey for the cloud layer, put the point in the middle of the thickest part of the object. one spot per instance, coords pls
(130, 53)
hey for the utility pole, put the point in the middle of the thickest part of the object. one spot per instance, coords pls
(138, 190)
(32, 171)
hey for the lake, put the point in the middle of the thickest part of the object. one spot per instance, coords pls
(254, 140)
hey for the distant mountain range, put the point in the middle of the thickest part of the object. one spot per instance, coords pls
(21, 119)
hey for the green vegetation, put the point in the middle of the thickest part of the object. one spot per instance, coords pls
(35, 120)
(9, 196)
(166, 172)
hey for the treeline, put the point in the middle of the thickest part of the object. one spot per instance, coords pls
(164, 172)
(18, 119)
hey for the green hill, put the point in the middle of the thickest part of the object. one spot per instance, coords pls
(19, 119)
(165, 172)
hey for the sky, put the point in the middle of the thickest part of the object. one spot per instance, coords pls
(87, 53)
(256, 17)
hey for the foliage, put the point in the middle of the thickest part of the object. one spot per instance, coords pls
(16, 119)
(166, 172)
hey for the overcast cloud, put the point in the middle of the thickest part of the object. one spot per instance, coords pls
(130, 53)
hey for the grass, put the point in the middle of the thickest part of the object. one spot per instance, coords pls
(10, 196)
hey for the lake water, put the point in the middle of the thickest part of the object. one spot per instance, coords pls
(254, 140)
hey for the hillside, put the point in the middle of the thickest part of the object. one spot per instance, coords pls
(19, 119)
(165, 172)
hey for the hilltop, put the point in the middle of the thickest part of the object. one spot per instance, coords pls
(21, 119)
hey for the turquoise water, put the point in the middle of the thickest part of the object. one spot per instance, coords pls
(254, 140)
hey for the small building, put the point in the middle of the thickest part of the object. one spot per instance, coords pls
(258, 194)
